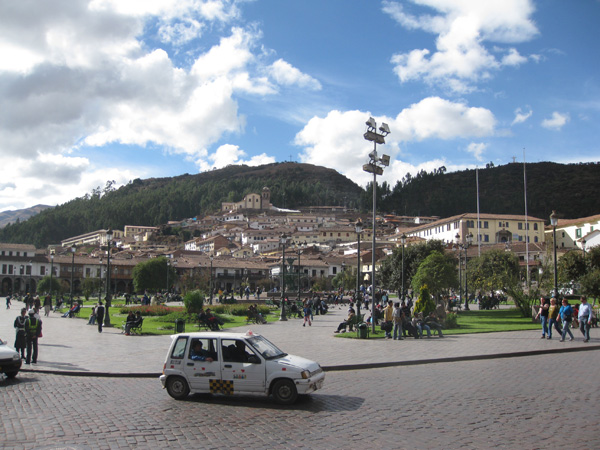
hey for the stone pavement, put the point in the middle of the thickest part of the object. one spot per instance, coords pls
(71, 347)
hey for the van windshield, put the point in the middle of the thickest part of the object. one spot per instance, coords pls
(267, 349)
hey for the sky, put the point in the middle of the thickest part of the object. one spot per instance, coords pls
(99, 90)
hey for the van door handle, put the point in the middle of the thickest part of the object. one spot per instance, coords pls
(190, 364)
(228, 366)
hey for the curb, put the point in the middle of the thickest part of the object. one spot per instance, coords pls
(343, 367)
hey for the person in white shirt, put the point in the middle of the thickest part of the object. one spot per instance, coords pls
(585, 318)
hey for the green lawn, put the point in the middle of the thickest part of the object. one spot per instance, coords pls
(468, 322)
(475, 322)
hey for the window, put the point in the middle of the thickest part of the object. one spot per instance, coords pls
(203, 348)
(486, 237)
(4, 268)
(535, 239)
(485, 224)
(179, 349)
(578, 233)
(43, 270)
(520, 226)
(236, 350)
(535, 226)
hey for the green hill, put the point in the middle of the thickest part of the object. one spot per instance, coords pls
(569, 189)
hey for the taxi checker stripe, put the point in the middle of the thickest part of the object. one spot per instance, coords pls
(223, 386)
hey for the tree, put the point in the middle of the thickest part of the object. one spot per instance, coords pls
(590, 284)
(437, 272)
(346, 279)
(44, 285)
(424, 303)
(494, 270)
(571, 267)
(391, 268)
(91, 286)
(152, 275)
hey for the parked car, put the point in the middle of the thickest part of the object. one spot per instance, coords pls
(10, 360)
(231, 363)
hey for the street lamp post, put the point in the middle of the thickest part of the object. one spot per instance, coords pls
(464, 246)
(73, 248)
(283, 240)
(375, 166)
(51, 271)
(211, 279)
(554, 223)
(358, 228)
(403, 240)
(30, 272)
(299, 290)
(109, 237)
(168, 270)
(583, 248)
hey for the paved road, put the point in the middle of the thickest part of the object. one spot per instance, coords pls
(545, 401)
(69, 345)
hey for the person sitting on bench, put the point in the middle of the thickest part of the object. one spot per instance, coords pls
(133, 324)
(349, 319)
(74, 310)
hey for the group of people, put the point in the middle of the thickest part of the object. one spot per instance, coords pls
(560, 318)
(209, 319)
(28, 327)
(397, 321)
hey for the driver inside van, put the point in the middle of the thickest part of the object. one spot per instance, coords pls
(200, 354)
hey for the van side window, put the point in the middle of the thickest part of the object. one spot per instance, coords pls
(236, 350)
(203, 348)
(179, 348)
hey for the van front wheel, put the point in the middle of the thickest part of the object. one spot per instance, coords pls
(177, 388)
(284, 392)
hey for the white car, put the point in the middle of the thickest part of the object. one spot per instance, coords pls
(10, 360)
(230, 363)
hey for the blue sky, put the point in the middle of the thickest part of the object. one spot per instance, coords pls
(101, 90)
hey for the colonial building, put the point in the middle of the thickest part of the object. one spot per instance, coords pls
(485, 228)
(250, 201)
(576, 233)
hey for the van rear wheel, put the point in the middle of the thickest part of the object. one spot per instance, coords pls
(177, 388)
(284, 392)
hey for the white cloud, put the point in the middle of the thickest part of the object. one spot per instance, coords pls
(463, 27)
(477, 149)
(513, 58)
(286, 74)
(336, 140)
(557, 121)
(229, 154)
(86, 74)
(52, 179)
(521, 116)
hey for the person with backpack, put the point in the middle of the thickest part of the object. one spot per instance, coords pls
(566, 316)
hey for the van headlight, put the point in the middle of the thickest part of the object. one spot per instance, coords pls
(305, 374)
(16, 357)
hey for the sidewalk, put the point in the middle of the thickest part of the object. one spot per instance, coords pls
(72, 347)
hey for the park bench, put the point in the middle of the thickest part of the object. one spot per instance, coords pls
(136, 328)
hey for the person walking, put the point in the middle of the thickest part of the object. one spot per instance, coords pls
(100, 315)
(553, 312)
(585, 318)
(566, 316)
(388, 315)
(33, 330)
(543, 315)
(21, 335)
(307, 314)
(47, 305)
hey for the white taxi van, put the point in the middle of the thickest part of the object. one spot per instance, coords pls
(230, 363)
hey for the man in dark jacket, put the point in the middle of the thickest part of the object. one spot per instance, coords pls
(100, 315)
(33, 330)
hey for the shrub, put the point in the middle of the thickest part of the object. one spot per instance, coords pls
(193, 301)
(424, 303)
(451, 320)
(154, 310)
